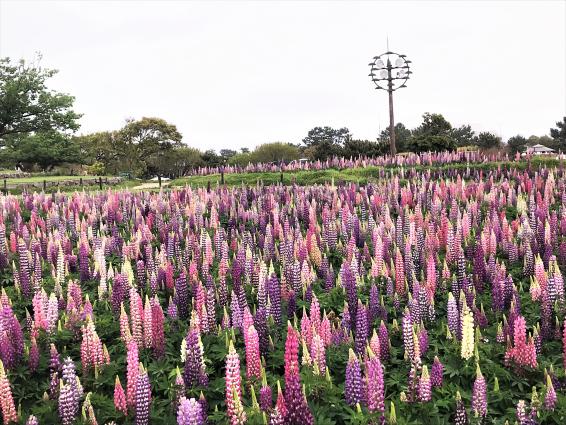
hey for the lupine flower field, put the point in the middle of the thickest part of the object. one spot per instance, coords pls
(418, 299)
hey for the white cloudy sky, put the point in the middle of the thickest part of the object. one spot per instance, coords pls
(233, 74)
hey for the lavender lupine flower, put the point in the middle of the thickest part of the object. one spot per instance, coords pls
(436, 373)
(182, 296)
(32, 420)
(275, 298)
(383, 342)
(353, 388)
(195, 372)
(68, 403)
(143, 398)
(550, 398)
(479, 395)
(189, 412)
(375, 390)
(425, 392)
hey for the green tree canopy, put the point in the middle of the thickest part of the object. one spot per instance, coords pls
(487, 140)
(402, 135)
(463, 135)
(275, 152)
(517, 144)
(28, 106)
(44, 150)
(361, 148)
(559, 135)
(434, 134)
(324, 142)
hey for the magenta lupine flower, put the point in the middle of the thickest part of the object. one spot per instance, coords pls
(132, 360)
(158, 335)
(425, 392)
(298, 412)
(189, 412)
(120, 397)
(142, 397)
(253, 362)
(436, 373)
(479, 394)
(33, 355)
(353, 387)
(375, 389)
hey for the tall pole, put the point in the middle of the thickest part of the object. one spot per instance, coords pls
(390, 77)
(391, 118)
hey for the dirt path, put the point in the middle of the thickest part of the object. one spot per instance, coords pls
(152, 185)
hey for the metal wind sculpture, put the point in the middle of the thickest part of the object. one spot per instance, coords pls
(390, 71)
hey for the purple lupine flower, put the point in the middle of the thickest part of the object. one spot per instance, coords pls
(353, 389)
(274, 290)
(189, 412)
(383, 342)
(265, 394)
(461, 417)
(143, 398)
(479, 394)
(373, 307)
(453, 316)
(194, 364)
(362, 328)
(436, 373)
(550, 397)
(182, 296)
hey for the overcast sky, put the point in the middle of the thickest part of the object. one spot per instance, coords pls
(234, 74)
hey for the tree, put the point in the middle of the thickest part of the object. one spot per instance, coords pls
(227, 153)
(146, 139)
(177, 162)
(434, 134)
(463, 135)
(245, 150)
(274, 152)
(324, 142)
(559, 135)
(241, 159)
(44, 150)
(433, 125)
(487, 140)
(28, 106)
(211, 158)
(402, 135)
(362, 148)
(516, 144)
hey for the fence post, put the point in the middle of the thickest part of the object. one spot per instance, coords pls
(81, 181)
(100, 183)
(5, 187)
(159, 180)
(44, 185)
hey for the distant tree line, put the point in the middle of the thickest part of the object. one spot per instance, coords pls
(38, 133)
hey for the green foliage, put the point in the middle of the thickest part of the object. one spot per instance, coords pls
(559, 135)
(434, 134)
(365, 148)
(325, 142)
(402, 136)
(487, 140)
(517, 144)
(27, 105)
(463, 135)
(43, 149)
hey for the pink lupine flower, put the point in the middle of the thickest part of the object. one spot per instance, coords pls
(253, 362)
(550, 398)
(479, 394)
(120, 397)
(318, 354)
(234, 387)
(6, 399)
(132, 373)
(136, 314)
(158, 334)
(125, 333)
(375, 390)
(147, 324)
